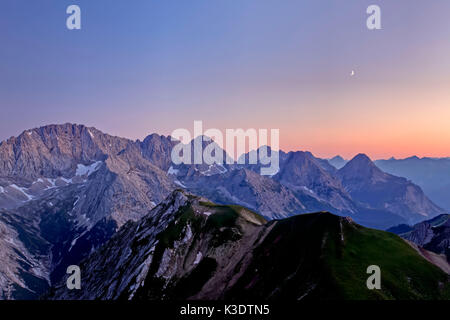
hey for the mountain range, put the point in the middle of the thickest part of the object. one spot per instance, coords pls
(431, 174)
(66, 190)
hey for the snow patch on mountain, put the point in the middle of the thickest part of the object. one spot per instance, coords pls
(214, 169)
(144, 267)
(173, 171)
(52, 183)
(68, 181)
(307, 189)
(179, 184)
(83, 170)
(198, 258)
(165, 263)
(224, 170)
(188, 235)
(74, 241)
(23, 190)
(55, 183)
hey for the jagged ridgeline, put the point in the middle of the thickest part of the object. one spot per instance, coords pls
(190, 248)
(432, 235)
(65, 190)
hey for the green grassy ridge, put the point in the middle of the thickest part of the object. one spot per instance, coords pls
(305, 253)
(234, 210)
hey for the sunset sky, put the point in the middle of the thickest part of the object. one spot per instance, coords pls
(143, 66)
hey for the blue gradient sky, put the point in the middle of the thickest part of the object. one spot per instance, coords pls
(144, 66)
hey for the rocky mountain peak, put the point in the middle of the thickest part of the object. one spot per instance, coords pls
(361, 166)
(157, 149)
(361, 159)
(55, 150)
(379, 190)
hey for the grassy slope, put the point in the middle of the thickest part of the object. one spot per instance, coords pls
(404, 273)
(305, 254)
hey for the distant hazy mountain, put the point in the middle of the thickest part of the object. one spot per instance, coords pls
(189, 248)
(366, 183)
(337, 162)
(431, 174)
(433, 235)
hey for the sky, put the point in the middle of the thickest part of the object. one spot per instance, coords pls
(143, 66)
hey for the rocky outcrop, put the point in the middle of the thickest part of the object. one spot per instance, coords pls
(433, 235)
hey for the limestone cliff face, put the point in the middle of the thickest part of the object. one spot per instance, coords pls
(71, 187)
